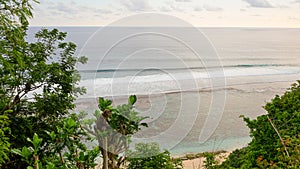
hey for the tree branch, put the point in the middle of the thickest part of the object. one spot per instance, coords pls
(281, 139)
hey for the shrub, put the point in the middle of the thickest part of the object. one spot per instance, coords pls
(275, 136)
(65, 149)
(149, 156)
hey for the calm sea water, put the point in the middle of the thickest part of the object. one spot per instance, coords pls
(194, 99)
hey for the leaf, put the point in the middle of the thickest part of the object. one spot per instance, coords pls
(81, 156)
(83, 59)
(97, 114)
(8, 111)
(25, 153)
(36, 141)
(71, 123)
(52, 135)
(50, 166)
(144, 124)
(132, 99)
(104, 104)
(17, 151)
(29, 140)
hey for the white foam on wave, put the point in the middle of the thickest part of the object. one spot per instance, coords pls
(261, 71)
(174, 82)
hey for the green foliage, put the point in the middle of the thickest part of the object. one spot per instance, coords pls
(132, 99)
(14, 13)
(149, 156)
(210, 161)
(293, 147)
(4, 140)
(37, 81)
(13, 20)
(269, 149)
(27, 153)
(67, 151)
(237, 159)
(113, 127)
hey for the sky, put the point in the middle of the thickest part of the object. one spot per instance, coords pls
(200, 13)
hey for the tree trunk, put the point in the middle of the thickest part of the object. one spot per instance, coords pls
(105, 154)
(36, 159)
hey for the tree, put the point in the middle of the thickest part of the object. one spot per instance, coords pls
(113, 128)
(10, 15)
(149, 156)
(275, 136)
(37, 79)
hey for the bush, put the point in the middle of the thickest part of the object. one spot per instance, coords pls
(275, 136)
(65, 149)
(149, 156)
(237, 159)
(210, 161)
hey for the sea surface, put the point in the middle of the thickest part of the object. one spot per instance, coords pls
(192, 83)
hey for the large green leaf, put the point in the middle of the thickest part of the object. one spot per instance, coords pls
(132, 99)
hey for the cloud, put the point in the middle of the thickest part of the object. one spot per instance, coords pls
(103, 11)
(171, 6)
(136, 5)
(212, 8)
(63, 7)
(183, 0)
(198, 9)
(259, 3)
(207, 8)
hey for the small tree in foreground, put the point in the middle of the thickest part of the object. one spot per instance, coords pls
(113, 128)
(149, 156)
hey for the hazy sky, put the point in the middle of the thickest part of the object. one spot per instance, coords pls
(203, 13)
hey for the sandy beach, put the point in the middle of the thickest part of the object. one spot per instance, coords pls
(195, 163)
(198, 163)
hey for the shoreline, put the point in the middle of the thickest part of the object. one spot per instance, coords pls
(195, 160)
(198, 162)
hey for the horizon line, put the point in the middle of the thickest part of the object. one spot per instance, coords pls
(256, 27)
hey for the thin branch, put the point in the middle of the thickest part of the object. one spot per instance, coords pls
(61, 158)
(89, 130)
(281, 139)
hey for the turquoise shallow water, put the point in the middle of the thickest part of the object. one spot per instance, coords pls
(211, 146)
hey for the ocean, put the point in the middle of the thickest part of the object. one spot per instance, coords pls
(193, 83)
